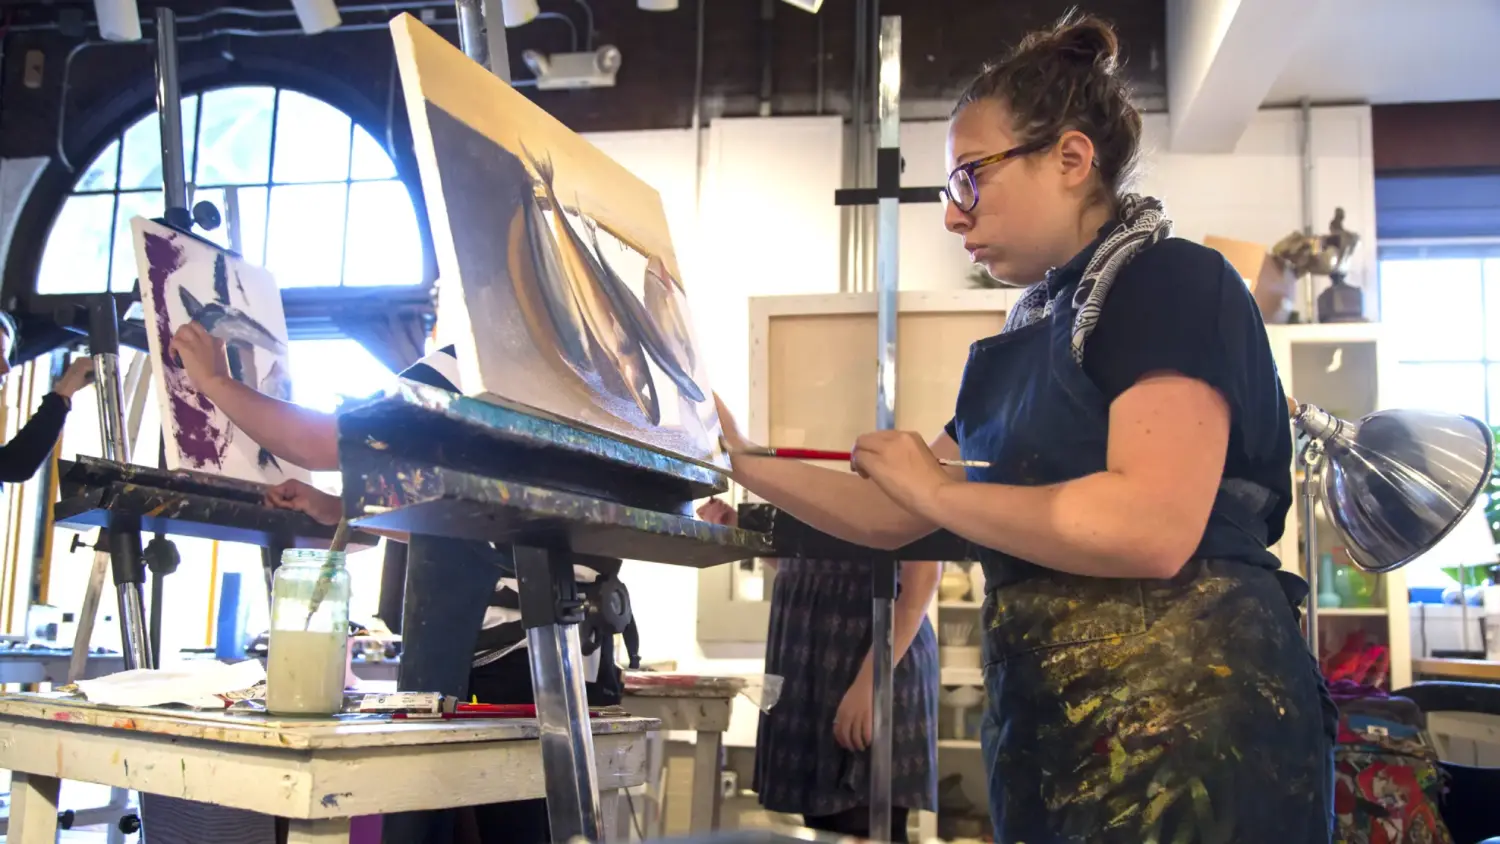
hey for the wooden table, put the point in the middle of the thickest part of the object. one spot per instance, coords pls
(1472, 670)
(685, 702)
(316, 773)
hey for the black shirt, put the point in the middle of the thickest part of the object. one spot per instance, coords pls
(25, 453)
(1178, 306)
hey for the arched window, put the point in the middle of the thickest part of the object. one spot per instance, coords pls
(317, 198)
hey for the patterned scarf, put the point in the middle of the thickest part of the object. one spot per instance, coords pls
(1143, 221)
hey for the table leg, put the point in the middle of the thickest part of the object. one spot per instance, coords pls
(615, 814)
(652, 819)
(707, 791)
(33, 809)
(324, 831)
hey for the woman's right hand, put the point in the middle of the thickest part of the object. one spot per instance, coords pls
(734, 439)
(201, 354)
(715, 510)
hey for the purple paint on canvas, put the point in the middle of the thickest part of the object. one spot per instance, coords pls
(198, 439)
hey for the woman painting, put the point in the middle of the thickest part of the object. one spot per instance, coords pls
(811, 751)
(1146, 677)
(30, 447)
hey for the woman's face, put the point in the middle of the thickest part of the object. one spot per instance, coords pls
(1027, 207)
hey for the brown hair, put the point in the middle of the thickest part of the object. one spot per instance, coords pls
(1065, 78)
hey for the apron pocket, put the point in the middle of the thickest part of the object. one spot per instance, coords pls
(1054, 610)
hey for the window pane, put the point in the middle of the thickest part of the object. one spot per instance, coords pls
(140, 165)
(1450, 387)
(146, 204)
(312, 140)
(252, 204)
(234, 143)
(324, 370)
(384, 246)
(101, 173)
(75, 259)
(1434, 307)
(1494, 373)
(369, 158)
(189, 134)
(305, 244)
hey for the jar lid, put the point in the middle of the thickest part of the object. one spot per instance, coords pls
(311, 556)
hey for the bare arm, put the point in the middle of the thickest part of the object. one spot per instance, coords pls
(919, 582)
(293, 433)
(839, 503)
(308, 438)
(1141, 517)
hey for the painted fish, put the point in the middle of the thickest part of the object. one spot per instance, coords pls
(666, 302)
(611, 334)
(666, 354)
(543, 290)
(267, 460)
(229, 323)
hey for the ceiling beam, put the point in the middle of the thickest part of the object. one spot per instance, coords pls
(1223, 56)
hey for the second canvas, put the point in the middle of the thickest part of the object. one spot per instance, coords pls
(558, 284)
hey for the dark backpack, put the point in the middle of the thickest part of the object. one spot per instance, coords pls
(1388, 783)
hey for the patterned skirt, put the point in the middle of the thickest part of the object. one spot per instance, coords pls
(818, 638)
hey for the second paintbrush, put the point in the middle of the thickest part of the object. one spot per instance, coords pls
(843, 456)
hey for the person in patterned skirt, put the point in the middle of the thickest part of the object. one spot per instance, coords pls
(812, 749)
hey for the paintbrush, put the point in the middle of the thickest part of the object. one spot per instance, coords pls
(820, 454)
(325, 576)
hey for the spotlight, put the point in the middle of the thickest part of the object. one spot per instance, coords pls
(119, 20)
(807, 5)
(518, 12)
(575, 70)
(657, 5)
(317, 15)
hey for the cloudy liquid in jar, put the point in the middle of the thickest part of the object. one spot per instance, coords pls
(305, 672)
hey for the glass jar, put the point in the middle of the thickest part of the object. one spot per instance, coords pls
(309, 645)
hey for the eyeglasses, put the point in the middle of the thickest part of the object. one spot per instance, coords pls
(963, 191)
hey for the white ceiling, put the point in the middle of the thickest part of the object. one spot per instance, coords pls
(1393, 51)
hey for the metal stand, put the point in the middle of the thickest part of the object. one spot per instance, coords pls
(169, 113)
(887, 196)
(551, 611)
(1312, 467)
(426, 463)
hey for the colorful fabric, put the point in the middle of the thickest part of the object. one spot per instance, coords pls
(1388, 783)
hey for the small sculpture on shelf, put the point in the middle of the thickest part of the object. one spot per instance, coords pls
(1328, 255)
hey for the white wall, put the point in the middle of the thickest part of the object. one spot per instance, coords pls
(767, 226)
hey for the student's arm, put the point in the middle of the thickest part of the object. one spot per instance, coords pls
(29, 448)
(293, 433)
(853, 725)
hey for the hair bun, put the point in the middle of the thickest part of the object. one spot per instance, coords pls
(1082, 38)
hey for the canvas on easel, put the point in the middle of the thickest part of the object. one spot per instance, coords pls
(187, 279)
(558, 284)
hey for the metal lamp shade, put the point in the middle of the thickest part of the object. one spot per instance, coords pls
(1397, 481)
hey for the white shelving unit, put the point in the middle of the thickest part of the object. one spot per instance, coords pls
(961, 755)
(1345, 369)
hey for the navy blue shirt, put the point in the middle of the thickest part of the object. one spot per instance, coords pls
(1180, 307)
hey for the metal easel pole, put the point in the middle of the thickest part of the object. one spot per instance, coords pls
(169, 113)
(887, 261)
(551, 611)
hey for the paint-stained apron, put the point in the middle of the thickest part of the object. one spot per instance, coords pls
(1182, 710)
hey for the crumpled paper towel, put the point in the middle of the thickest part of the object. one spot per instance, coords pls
(201, 685)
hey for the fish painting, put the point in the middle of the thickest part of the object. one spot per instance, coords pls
(612, 334)
(567, 301)
(185, 279)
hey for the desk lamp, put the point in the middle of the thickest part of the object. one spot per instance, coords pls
(1393, 484)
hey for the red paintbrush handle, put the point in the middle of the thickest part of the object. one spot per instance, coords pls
(811, 454)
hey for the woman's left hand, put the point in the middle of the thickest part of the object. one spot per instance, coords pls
(854, 725)
(902, 465)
